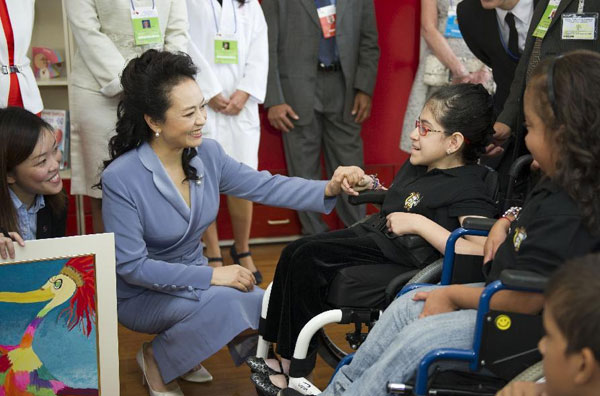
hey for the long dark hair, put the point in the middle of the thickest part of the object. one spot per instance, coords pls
(147, 82)
(20, 131)
(568, 105)
(468, 109)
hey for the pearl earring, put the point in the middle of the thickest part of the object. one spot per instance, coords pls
(448, 152)
(157, 133)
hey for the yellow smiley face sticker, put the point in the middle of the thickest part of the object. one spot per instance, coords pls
(503, 322)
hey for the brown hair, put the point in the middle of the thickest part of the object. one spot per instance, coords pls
(20, 131)
(573, 296)
(566, 90)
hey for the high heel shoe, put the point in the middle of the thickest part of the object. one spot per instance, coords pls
(235, 256)
(142, 363)
(258, 365)
(199, 375)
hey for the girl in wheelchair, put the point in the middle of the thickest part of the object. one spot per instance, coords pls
(559, 220)
(431, 195)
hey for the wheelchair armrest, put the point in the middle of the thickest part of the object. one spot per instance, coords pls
(519, 164)
(369, 196)
(478, 223)
(523, 280)
(396, 284)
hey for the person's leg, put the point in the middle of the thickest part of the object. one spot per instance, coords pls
(190, 331)
(210, 238)
(302, 147)
(397, 344)
(97, 223)
(342, 144)
(240, 211)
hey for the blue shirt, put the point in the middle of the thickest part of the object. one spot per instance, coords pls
(328, 51)
(27, 216)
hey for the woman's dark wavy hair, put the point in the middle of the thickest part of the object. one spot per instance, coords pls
(468, 109)
(147, 83)
(20, 131)
(574, 127)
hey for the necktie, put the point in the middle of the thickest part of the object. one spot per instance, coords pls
(513, 35)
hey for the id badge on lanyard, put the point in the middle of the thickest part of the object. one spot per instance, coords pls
(327, 19)
(542, 27)
(452, 29)
(226, 45)
(146, 29)
(580, 26)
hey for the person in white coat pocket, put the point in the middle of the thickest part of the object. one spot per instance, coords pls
(232, 36)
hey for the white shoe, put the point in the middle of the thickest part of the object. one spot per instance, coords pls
(140, 361)
(199, 375)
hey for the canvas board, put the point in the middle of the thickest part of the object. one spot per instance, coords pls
(58, 318)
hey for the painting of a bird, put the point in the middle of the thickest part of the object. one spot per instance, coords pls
(22, 371)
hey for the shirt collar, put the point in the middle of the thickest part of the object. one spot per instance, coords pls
(39, 203)
(522, 11)
(456, 171)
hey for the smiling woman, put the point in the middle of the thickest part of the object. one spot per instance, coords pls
(31, 197)
(161, 190)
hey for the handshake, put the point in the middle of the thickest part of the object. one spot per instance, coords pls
(351, 180)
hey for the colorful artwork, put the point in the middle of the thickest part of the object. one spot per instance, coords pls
(50, 338)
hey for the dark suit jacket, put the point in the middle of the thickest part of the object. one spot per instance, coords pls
(51, 225)
(479, 28)
(294, 34)
(552, 44)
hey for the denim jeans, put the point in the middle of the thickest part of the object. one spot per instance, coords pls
(398, 342)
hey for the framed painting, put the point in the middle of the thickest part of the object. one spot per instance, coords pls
(58, 318)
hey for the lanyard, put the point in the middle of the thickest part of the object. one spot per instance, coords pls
(133, 7)
(215, 15)
(515, 57)
(580, 6)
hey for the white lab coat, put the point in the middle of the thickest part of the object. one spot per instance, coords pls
(240, 134)
(21, 13)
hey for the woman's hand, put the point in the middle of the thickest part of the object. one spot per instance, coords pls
(481, 76)
(437, 301)
(237, 101)
(366, 183)
(218, 103)
(7, 248)
(401, 223)
(495, 238)
(234, 276)
(344, 179)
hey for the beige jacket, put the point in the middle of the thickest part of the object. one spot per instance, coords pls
(104, 36)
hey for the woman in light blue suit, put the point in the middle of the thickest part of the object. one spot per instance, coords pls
(161, 190)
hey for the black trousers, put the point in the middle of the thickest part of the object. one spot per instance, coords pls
(304, 271)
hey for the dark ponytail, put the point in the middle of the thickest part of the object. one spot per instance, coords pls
(147, 82)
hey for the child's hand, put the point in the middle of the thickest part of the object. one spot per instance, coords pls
(402, 223)
(7, 248)
(495, 238)
(437, 301)
(523, 389)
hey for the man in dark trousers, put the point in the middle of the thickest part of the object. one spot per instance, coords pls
(496, 31)
(323, 57)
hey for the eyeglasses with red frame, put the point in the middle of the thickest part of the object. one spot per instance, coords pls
(423, 130)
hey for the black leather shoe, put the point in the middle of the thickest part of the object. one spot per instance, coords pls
(258, 365)
(263, 384)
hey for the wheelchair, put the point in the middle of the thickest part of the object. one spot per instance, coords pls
(356, 292)
(495, 351)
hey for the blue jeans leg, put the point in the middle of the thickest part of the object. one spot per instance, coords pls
(397, 344)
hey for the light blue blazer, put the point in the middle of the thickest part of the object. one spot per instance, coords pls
(157, 235)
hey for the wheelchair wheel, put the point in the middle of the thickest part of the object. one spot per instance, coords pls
(332, 343)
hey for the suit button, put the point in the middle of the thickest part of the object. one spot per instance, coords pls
(155, 286)
(190, 288)
(173, 287)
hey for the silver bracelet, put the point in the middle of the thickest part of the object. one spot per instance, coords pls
(513, 211)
